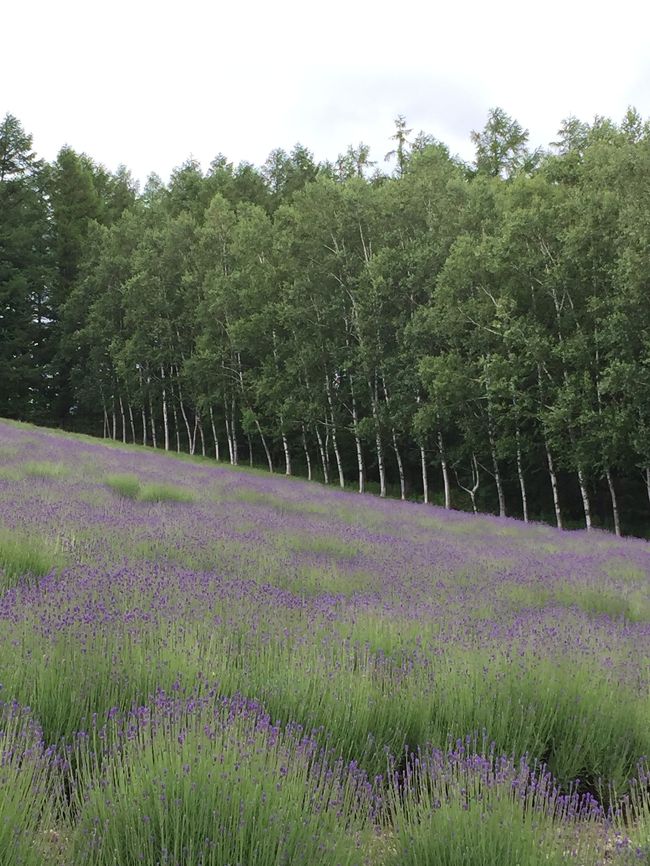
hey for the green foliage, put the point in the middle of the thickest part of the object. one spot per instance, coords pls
(25, 276)
(501, 146)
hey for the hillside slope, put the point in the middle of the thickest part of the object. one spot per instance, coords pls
(129, 579)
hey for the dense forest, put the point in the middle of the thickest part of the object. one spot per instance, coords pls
(475, 335)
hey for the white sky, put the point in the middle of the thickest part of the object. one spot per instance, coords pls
(150, 83)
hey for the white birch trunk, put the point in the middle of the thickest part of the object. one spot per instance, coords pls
(131, 422)
(194, 432)
(608, 474)
(520, 474)
(332, 430)
(380, 465)
(493, 454)
(586, 504)
(400, 467)
(114, 420)
(612, 494)
(520, 464)
(250, 449)
(143, 411)
(398, 456)
(233, 431)
(164, 408)
(306, 450)
(285, 446)
(476, 479)
(228, 437)
(549, 460)
(497, 478)
(445, 471)
(214, 435)
(106, 427)
(337, 454)
(425, 476)
(554, 486)
(265, 446)
(491, 437)
(378, 443)
(357, 441)
(321, 448)
(144, 426)
(647, 482)
(177, 431)
(327, 443)
(201, 434)
(123, 417)
(191, 438)
(152, 421)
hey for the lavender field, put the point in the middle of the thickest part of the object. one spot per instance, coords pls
(205, 666)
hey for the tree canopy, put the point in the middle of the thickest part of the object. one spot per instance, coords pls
(476, 335)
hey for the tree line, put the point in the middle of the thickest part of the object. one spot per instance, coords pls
(476, 335)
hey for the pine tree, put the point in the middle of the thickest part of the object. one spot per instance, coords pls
(25, 276)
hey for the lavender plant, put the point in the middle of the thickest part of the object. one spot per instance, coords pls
(26, 789)
(469, 807)
(187, 784)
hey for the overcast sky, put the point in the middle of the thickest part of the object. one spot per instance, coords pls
(149, 83)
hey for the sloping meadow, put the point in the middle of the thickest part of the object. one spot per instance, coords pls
(207, 666)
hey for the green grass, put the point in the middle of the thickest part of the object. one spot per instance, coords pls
(44, 469)
(164, 493)
(523, 596)
(327, 545)
(595, 601)
(23, 556)
(127, 486)
(634, 607)
(130, 487)
(271, 500)
(10, 473)
(312, 580)
(627, 572)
